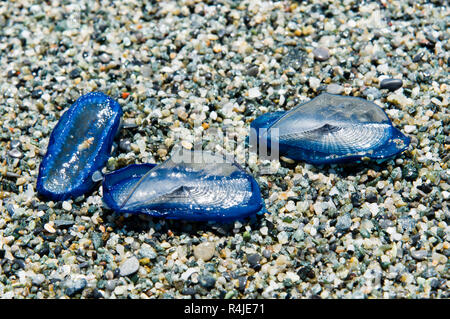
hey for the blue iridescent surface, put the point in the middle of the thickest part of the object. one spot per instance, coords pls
(79, 145)
(208, 191)
(331, 129)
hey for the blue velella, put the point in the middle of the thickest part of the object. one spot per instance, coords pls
(209, 189)
(331, 129)
(79, 145)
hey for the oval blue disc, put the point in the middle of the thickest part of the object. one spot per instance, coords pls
(213, 191)
(331, 129)
(79, 145)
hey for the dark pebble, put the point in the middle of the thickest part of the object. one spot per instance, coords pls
(74, 73)
(207, 281)
(418, 57)
(253, 70)
(426, 188)
(410, 172)
(37, 94)
(125, 145)
(97, 177)
(242, 283)
(371, 197)
(61, 223)
(11, 73)
(391, 84)
(356, 199)
(253, 259)
(321, 54)
(188, 291)
(76, 286)
(306, 273)
(15, 144)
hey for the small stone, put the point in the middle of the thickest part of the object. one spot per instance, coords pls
(125, 145)
(67, 206)
(253, 70)
(104, 58)
(15, 153)
(314, 83)
(63, 223)
(371, 197)
(253, 259)
(74, 73)
(418, 57)
(15, 144)
(266, 253)
(49, 228)
(343, 223)
(409, 128)
(321, 54)
(97, 176)
(372, 92)
(110, 285)
(38, 279)
(242, 283)
(419, 254)
(334, 88)
(391, 84)
(207, 281)
(410, 172)
(204, 251)
(254, 93)
(147, 251)
(75, 286)
(129, 267)
(36, 94)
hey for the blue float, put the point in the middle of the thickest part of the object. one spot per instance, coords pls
(79, 145)
(215, 190)
(331, 129)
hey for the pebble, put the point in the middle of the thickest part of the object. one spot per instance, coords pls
(343, 222)
(409, 129)
(66, 205)
(207, 281)
(321, 54)
(314, 83)
(97, 177)
(129, 266)
(253, 259)
(419, 254)
(418, 57)
(391, 84)
(15, 144)
(204, 251)
(49, 228)
(75, 286)
(253, 70)
(254, 93)
(386, 220)
(74, 73)
(15, 153)
(125, 145)
(334, 88)
(38, 279)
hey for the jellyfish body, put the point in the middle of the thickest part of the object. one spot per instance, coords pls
(331, 129)
(79, 145)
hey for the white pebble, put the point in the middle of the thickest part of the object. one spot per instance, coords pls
(314, 83)
(254, 93)
(409, 129)
(67, 206)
